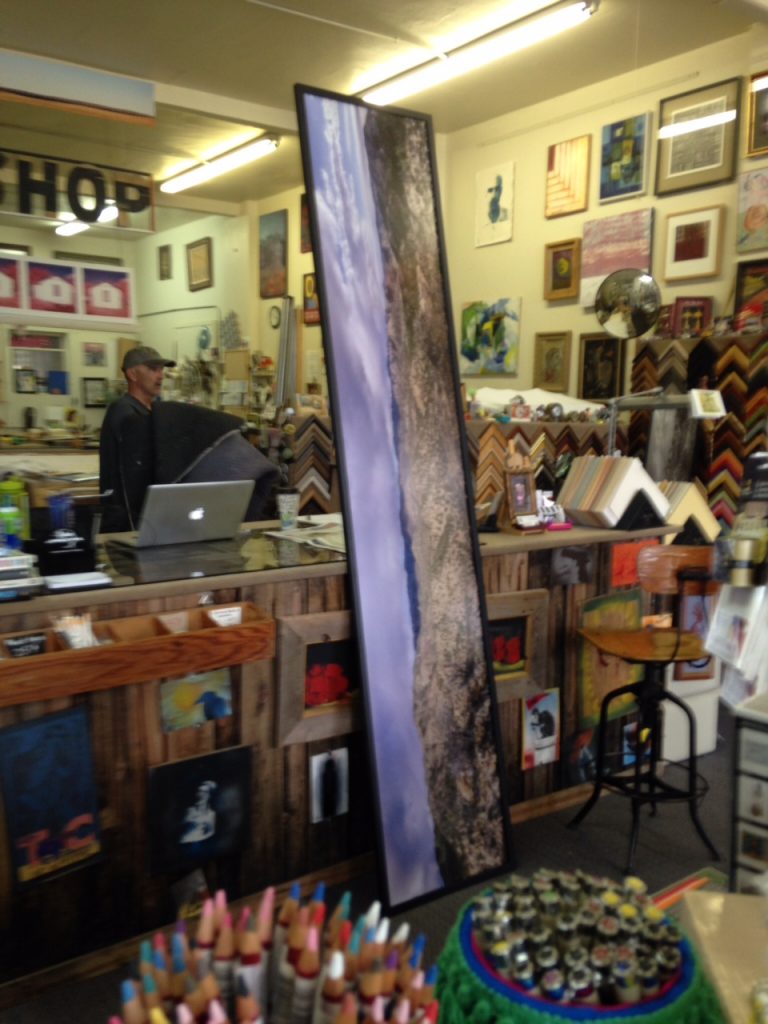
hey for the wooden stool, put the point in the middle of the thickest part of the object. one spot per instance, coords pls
(662, 569)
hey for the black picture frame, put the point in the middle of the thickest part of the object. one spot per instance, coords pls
(95, 392)
(439, 788)
(601, 366)
(185, 835)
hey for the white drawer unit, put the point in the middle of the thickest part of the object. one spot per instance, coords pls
(749, 830)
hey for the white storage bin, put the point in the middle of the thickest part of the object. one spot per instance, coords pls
(702, 697)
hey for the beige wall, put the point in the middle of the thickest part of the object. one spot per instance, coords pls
(172, 316)
(516, 268)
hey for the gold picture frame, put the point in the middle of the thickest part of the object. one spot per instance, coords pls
(552, 360)
(757, 126)
(295, 722)
(533, 606)
(562, 269)
(200, 264)
(567, 182)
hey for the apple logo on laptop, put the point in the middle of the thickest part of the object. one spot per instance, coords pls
(196, 513)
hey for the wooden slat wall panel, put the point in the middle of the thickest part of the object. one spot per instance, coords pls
(117, 897)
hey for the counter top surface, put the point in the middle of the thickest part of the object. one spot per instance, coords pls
(256, 557)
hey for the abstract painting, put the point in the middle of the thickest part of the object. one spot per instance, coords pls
(567, 188)
(490, 337)
(624, 158)
(614, 243)
(600, 673)
(494, 199)
(414, 564)
(49, 792)
(195, 699)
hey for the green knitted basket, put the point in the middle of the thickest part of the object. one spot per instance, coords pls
(468, 994)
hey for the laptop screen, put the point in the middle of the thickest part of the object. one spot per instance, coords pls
(193, 512)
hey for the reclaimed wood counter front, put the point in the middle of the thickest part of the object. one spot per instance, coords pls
(116, 896)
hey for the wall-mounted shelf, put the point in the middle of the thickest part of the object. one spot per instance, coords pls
(139, 649)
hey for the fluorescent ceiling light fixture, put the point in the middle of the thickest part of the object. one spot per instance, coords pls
(759, 84)
(696, 124)
(71, 227)
(482, 51)
(219, 165)
(109, 213)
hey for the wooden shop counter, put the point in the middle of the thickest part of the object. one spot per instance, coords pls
(160, 631)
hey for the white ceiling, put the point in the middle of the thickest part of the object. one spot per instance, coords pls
(243, 57)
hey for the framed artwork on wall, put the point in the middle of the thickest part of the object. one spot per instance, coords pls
(311, 301)
(552, 361)
(490, 337)
(305, 244)
(692, 246)
(494, 204)
(164, 263)
(752, 226)
(691, 152)
(273, 254)
(691, 315)
(199, 264)
(94, 392)
(751, 292)
(601, 366)
(562, 269)
(540, 729)
(567, 184)
(318, 691)
(518, 624)
(624, 151)
(613, 243)
(199, 809)
(757, 129)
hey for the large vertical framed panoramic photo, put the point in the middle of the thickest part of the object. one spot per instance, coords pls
(414, 562)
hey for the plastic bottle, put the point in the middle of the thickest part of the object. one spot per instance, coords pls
(13, 488)
(10, 523)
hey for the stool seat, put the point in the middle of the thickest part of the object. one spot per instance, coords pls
(646, 645)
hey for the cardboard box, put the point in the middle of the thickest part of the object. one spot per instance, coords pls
(730, 933)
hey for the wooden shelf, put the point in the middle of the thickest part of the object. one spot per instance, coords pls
(138, 649)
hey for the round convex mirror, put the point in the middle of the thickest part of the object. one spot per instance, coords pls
(627, 303)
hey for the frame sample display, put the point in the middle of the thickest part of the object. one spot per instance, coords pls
(414, 560)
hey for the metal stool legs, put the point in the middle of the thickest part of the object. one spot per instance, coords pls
(644, 785)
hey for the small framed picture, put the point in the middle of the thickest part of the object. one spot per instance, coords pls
(26, 381)
(692, 246)
(751, 294)
(164, 262)
(706, 404)
(752, 798)
(562, 269)
(552, 361)
(94, 392)
(752, 846)
(199, 264)
(757, 129)
(624, 158)
(691, 316)
(690, 157)
(311, 301)
(601, 366)
(752, 224)
(521, 494)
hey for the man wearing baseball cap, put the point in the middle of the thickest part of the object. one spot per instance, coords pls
(126, 448)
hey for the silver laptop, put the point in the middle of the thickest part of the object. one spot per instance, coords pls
(190, 513)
